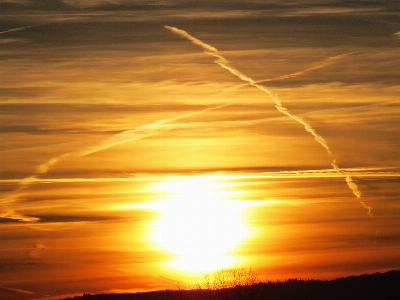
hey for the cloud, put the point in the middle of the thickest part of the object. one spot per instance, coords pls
(12, 214)
(16, 294)
(58, 218)
(36, 4)
(218, 125)
(13, 40)
(38, 250)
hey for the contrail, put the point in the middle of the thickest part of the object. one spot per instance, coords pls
(353, 187)
(120, 138)
(221, 61)
(316, 66)
(18, 29)
(224, 64)
(192, 39)
(30, 26)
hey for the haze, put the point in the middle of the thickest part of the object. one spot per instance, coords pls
(145, 144)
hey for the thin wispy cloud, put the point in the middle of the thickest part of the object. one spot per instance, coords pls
(106, 125)
(221, 61)
(12, 214)
(252, 122)
(365, 172)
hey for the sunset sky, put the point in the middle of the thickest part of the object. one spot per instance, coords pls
(144, 144)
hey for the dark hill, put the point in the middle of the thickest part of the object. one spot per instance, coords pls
(365, 287)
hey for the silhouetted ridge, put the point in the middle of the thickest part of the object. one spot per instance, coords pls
(364, 287)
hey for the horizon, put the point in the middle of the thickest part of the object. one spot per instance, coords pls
(145, 145)
(244, 285)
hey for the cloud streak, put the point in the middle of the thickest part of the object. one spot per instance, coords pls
(13, 215)
(365, 172)
(222, 62)
(158, 128)
(359, 108)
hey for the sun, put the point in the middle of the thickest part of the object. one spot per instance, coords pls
(198, 224)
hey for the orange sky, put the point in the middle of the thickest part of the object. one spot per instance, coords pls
(138, 157)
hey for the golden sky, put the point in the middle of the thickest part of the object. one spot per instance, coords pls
(143, 145)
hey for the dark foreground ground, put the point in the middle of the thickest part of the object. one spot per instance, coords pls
(365, 287)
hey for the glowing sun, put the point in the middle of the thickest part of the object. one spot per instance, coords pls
(197, 224)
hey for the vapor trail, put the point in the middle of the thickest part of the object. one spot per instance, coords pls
(221, 61)
(194, 40)
(30, 26)
(224, 64)
(324, 63)
(316, 66)
(353, 187)
(17, 29)
(120, 138)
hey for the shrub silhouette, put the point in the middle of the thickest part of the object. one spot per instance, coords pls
(229, 285)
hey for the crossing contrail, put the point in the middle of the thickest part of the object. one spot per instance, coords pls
(159, 126)
(117, 139)
(221, 61)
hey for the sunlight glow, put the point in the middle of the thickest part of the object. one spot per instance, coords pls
(198, 223)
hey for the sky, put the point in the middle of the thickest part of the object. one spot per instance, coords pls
(145, 144)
